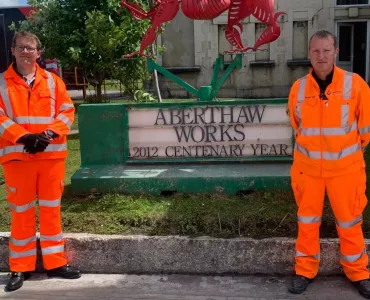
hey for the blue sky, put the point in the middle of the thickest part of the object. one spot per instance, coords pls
(9, 3)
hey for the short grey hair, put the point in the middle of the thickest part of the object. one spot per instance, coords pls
(26, 34)
(324, 34)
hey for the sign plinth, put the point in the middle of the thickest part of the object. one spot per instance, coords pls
(195, 147)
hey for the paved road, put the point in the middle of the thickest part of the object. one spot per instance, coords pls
(175, 287)
(78, 94)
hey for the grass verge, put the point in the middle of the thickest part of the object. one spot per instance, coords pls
(259, 215)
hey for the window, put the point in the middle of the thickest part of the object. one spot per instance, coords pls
(223, 44)
(352, 2)
(265, 54)
(300, 40)
(345, 38)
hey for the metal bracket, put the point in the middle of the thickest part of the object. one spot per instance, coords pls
(208, 92)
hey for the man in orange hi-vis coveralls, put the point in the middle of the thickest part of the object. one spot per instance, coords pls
(330, 113)
(36, 114)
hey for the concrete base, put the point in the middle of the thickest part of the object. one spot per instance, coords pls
(182, 178)
(182, 255)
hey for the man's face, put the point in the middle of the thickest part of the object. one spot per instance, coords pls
(25, 51)
(323, 54)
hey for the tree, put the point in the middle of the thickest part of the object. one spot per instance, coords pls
(93, 35)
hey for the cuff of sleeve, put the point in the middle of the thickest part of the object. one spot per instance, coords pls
(18, 136)
(55, 134)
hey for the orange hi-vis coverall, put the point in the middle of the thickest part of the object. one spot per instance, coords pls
(330, 137)
(45, 106)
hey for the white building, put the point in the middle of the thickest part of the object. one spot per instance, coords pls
(10, 11)
(192, 47)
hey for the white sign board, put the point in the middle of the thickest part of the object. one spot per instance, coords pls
(210, 132)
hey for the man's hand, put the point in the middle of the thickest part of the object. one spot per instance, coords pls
(34, 143)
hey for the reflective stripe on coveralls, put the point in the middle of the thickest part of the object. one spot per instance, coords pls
(329, 136)
(309, 193)
(34, 176)
(308, 220)
(28, 244)
(56, 238)
(20, 148)
(339, 131)
(344, 129)
(25, 242)
(44, 179)
(312, 220)
(50, 108)
(28, 119)
(5, 95)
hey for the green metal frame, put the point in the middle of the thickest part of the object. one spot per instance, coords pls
(225, 102)
(208, 92)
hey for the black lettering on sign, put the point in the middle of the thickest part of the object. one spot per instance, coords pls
(264, 149)
(254, 147)
(187, 151)
(227, 111)
(210, 133)
(210, 151)
(214, 150)
(169, 151)
(273, 150)
(140, 152)
(224, 114)
(249, 113)
(175, 117)
(197, 150)
(183, 133)
(186, 117)
(111, 116)
(199, 114)
(241, 133)
(205, 151)
(161, 117)
(236, 150)
(212, 121)
(283, 149)
(177, 151)
(193, 135)
(225, 132)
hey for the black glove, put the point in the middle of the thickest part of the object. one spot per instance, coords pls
(34, 143)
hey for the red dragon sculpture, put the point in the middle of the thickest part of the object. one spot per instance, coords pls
(166, 10)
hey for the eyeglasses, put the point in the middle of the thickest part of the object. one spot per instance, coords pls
(20, 48)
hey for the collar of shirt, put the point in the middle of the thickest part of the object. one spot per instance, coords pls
(28, 81)
(323, 84)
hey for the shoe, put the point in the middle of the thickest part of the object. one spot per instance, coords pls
(16, 281)
(299, 284)
(363, 286)
(66, 272)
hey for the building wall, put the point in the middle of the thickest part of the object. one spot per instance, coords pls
(7, 16)
(269, 73)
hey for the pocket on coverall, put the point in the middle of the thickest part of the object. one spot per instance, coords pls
(360, 201)
(61, 187)
(11, 192)
(297, 193)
